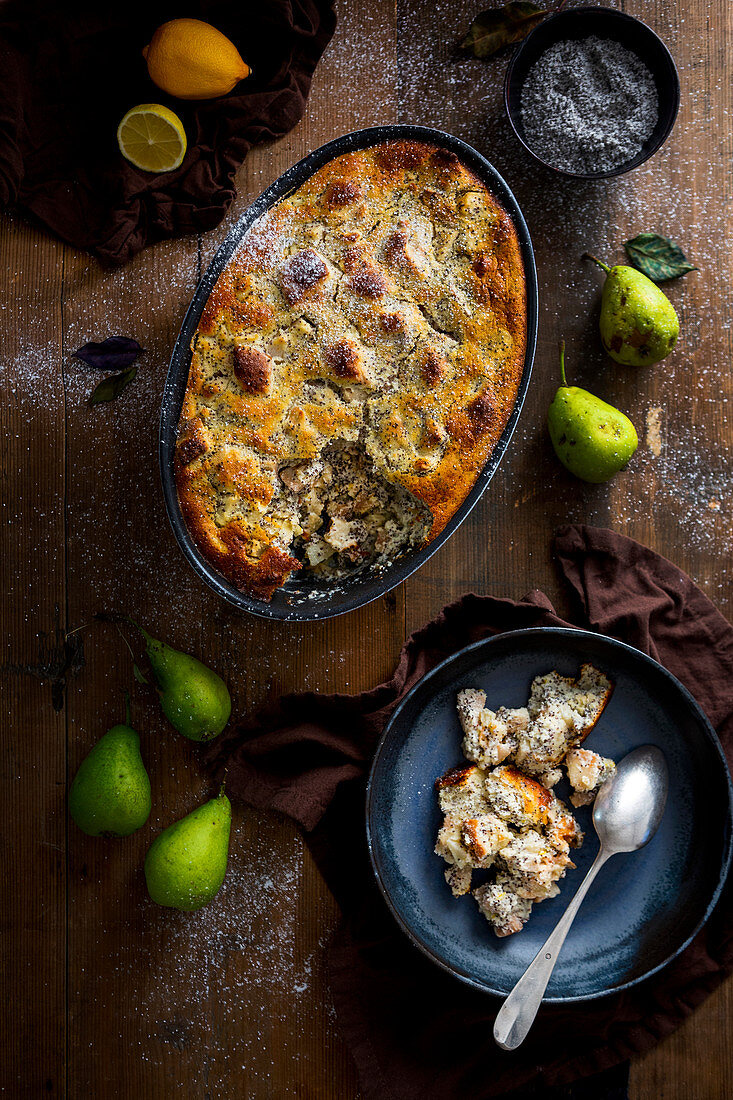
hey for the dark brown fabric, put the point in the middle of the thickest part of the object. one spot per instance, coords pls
(413, 1030)
(71, 71)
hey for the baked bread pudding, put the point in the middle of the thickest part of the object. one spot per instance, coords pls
(560, 714)
(353, 369)
(586, 772)
(500, 814)
(509, 822)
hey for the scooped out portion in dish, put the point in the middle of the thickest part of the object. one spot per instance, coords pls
(354, 368)
(505, 819)
(348, 513)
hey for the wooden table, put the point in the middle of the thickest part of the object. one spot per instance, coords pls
(110, 995)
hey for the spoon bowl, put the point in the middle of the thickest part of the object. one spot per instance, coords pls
(629, 806)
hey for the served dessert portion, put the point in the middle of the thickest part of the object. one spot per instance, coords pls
(353, 369)
(508, 821)
(560, 714)
(503, 817)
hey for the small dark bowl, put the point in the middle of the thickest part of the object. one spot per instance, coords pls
(606, 23)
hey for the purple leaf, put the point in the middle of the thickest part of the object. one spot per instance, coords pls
(116, 353)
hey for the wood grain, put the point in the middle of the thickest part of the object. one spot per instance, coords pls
(33, 615)
(119, 997)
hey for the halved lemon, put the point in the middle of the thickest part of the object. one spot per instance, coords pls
(152, 138)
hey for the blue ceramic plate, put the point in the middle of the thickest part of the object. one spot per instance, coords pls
(643, 908)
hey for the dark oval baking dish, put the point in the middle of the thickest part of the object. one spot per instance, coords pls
(309, 597)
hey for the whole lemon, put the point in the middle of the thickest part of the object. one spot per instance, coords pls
(190, 59)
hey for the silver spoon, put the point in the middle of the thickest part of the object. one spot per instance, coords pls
(626, 815)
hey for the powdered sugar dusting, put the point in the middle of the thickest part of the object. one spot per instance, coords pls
(247, 950)
(238, 922)
(677, 193)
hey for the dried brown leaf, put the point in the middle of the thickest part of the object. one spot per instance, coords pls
(499, 27)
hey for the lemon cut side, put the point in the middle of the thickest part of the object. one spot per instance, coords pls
(152, 138)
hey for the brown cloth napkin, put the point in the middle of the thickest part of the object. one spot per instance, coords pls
(71, 71)
(414, 1031)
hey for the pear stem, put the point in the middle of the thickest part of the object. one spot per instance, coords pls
(118, 617)
(124, 639)
(128, 712)
(590, 256)
(135, 667)
(70, 633)
(562, 362)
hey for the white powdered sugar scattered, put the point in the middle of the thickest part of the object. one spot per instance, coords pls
(588, 105)
(252, 956)
(237, 924)
(218, 986)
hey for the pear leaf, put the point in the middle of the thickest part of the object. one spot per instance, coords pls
(657, 257)
(499, 27)
(110, 388)
(116, 353)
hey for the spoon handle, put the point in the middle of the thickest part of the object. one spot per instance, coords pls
(516, 1015)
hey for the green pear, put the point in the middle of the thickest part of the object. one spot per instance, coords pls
(591, 438)
(185, 866)
(193, 698)
(110, 795)
(638, 323)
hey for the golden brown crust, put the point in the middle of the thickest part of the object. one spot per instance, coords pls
(536, 798)
(252, 369)
(381, 305)
(455, 777)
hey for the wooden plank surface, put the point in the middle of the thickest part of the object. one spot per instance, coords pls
(34, 617)
(116, 996)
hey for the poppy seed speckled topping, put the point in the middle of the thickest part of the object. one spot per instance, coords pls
(505, 819)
